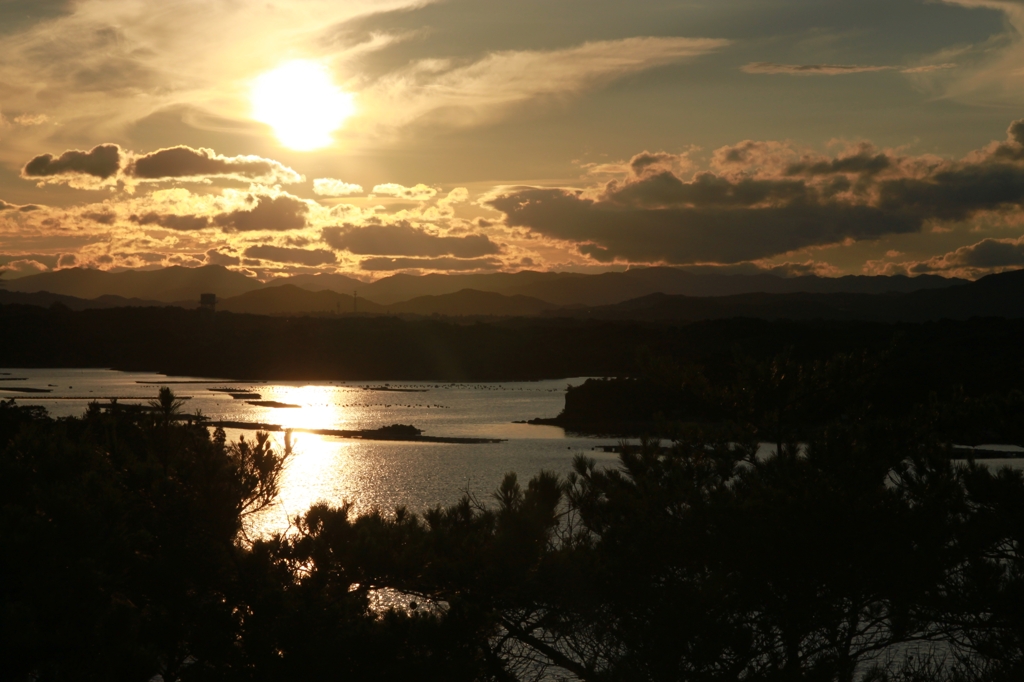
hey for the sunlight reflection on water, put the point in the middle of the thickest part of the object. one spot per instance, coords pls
(318, 407)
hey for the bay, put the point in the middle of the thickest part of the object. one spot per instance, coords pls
(365, 473)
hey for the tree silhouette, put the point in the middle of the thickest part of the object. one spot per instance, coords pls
(702, 562)
(122, 534)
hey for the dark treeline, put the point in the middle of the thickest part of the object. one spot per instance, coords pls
(868, 555)
(964, 382)
(187, 342)
(783, 379)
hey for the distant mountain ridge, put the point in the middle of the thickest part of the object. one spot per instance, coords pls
(999, 295)
(473, 302)
(288, 299)
(178, 284)
(166, 284)
(45, 299)
(291, 299)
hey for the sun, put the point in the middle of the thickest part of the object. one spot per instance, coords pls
(301, 103)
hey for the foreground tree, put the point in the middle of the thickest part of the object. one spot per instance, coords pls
(700, 562)
(121, 536)
(703, 562)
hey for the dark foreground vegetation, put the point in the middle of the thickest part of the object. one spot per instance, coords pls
(125, 556)
(228, 345)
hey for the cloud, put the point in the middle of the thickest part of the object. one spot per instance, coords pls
(83, 169)
(24, 208)
(101, 217)
(186, 163)
(100, 67)
(652, 161)
(329, 187)
(47, 260)
(275, 214)
(722, 233)
(285, 254)
(390, 264)
(22, 268)
(484, 90)
(956, 192)
(928, 68)
(777, 208)
(107, 164)
(786, 269)
(419, 192)
(402, 239)
(459, 195)
(182, 223)
(810, 69)
(974, 260)
(866, 161)
(835, 69)
(993, 65)
(31, 119)
(1013, 148)
(217, 257)
(666, 190)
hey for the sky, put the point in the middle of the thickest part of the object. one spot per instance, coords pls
(370, 137)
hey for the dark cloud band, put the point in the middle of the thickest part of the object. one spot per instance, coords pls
(103, 162)
(185, 162)
(109, 161)
(285, 254)
(988, 255)
(750, 215)
(391, 264)
(274, 214)
(608, 232)
(402, 239)
(182, 223)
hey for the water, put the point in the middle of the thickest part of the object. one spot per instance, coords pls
(368, 474)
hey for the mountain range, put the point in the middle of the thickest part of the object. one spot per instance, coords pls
(1000, 295)
(181, 285)
(291, 299)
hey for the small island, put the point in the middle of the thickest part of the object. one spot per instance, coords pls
(393, 432)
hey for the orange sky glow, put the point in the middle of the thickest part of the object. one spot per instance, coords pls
(373, 137)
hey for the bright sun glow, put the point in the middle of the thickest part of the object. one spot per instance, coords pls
(301, 103)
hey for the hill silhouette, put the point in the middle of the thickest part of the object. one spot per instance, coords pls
(321, 281)
(473, 302)
(569, 288)
(995, 295)
(291, 299)
(45, 299)
(402, 287)
(999, 295)
(167, 284)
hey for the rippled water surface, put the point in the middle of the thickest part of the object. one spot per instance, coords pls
(367, 473)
